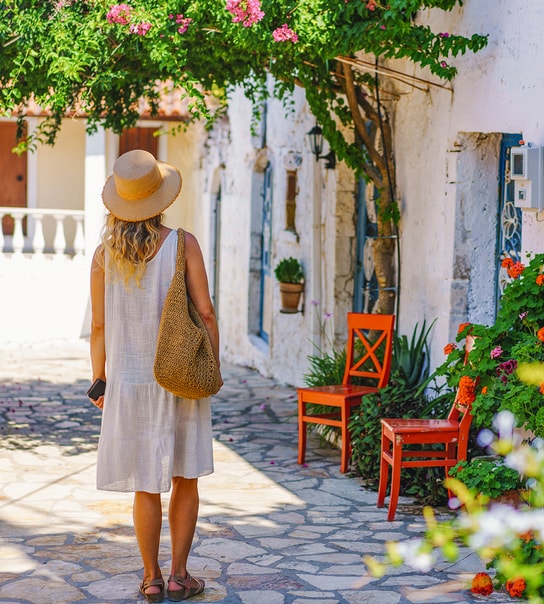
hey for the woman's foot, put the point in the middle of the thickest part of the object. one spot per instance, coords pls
(181, 588)
(153, 589)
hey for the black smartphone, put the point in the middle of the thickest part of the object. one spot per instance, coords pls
(97, 389)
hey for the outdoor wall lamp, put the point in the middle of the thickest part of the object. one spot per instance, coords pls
(316, 146)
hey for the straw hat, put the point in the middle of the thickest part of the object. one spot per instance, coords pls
(140, 187)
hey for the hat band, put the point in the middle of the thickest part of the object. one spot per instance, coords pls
(138, 189)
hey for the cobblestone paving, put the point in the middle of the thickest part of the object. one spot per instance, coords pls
(270, 531)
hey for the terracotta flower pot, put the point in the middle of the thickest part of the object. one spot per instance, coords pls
(290, 296)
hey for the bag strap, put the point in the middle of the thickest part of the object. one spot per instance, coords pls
(180, 258)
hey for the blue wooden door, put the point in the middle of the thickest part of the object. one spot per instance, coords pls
(509, 217)
(265, 310)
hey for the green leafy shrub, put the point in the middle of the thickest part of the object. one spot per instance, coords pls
(516, 338)
(487, 476)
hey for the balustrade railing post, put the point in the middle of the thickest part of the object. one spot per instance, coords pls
(38, 240)
(59, 243)
(2, 238)
(18, 240)
(79, 238)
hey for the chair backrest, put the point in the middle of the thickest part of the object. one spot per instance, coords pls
(461, 409)
(370, 343)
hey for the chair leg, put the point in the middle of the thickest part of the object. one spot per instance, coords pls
(384, 472)
(346, 441)
(395, 481)
(301, 430)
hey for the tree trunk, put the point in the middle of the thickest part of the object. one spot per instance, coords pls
(380, 170)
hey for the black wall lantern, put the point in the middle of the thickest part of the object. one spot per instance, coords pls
(316, 146)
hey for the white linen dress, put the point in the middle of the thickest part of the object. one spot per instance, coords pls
(148, 435)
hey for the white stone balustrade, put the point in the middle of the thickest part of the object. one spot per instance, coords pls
(34, 241)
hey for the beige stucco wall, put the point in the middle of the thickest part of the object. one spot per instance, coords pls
(60, 176)
(61, 169)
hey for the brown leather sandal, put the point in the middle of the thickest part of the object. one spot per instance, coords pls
(190, 586)
(156, 597)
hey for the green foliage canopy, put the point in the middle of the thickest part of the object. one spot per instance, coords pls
(101, 57)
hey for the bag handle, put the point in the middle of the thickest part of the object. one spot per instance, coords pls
(180, 258)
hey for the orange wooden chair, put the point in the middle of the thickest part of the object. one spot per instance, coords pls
(452, 432)
(368, 358)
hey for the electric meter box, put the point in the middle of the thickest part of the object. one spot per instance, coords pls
(527, 172)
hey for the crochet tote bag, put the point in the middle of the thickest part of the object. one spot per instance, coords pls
(184, 361)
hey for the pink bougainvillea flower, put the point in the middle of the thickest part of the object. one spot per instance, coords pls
(443, 64)
(140, 29)
(247, 12)
(496, 352)
(444, 34)
(522, 315)
(284, 34)
(119, 14)
(183, 23)
(482, 584)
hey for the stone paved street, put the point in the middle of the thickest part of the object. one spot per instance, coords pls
(270, 531)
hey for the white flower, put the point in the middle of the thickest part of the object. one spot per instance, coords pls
(410, 552)
(504, 422)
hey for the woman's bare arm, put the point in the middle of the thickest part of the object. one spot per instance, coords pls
(197, 288)
(97, 339)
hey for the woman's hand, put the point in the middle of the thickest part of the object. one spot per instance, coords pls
(99, 402)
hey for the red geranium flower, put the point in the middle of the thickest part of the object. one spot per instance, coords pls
(516, 587)
(466, 391)
(463, 325)
(449, 348)
(540, 280)
(515, 270)
(507, 263)
(482, 584)
(540, 334)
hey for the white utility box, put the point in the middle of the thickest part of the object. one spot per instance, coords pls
(527, 172)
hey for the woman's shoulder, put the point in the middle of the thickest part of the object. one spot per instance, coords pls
(191, 242)
(98, 257)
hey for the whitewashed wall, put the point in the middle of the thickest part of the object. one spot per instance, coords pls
(232, 155)
(446, 146)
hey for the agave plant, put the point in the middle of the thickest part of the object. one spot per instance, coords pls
(409, 362)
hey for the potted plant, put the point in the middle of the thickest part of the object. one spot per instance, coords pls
(290, 275)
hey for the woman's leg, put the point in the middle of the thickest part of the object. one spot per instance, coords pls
(147, 514)
(182, 517)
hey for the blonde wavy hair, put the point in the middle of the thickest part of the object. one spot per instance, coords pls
(130, 246)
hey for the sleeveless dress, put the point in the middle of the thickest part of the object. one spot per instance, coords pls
(148, 435)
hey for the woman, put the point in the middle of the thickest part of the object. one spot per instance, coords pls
(150, 441)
